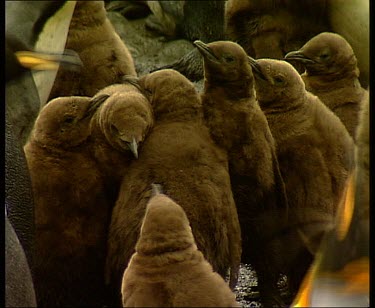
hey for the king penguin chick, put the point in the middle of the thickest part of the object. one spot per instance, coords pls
(72, 210)
(332, 75)
(315, 154)
(180, 155)
(104, 55)
(167, 269)
(239, 127)
(271, 28)
(86, 145)
(123, 121)
(340, 274)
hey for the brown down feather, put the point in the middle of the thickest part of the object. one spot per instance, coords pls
(167, 269)
(104, 55)
(271, 28)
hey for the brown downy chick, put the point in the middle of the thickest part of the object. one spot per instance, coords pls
(117, 129)
(271, 28)
(167, 269)
(71, 206)
(104, 55)
(332, 75)
(340, 274)
(315, 154)
(125, 118)
(239, 127)
(180, 155)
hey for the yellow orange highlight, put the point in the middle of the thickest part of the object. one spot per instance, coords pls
(345, 213)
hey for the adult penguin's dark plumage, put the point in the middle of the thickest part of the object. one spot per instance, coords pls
(22, 107)
(18, 192)
(19, 291)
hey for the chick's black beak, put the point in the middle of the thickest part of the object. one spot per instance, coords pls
(205, 51)
(257, 71)
(133, 146)
(298, 56)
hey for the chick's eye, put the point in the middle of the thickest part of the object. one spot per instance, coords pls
(278, 80)
(114, 129)
(228, 59)
(324, 56)
(68, 120)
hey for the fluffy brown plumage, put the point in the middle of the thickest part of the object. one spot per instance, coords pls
(269, 28)
(167, 269)
(77, 155)
(363, 160)
(315, 153)
(180, 155)
(104, 55)
(239, 127)
(124, 119)
(71, 207)
(332, 74)
(340, 274)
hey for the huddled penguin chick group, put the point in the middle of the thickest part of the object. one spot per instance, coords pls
(148, 192)
(82, 144)
(179, 155)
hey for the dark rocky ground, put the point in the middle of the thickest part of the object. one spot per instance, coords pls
(148, 49)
